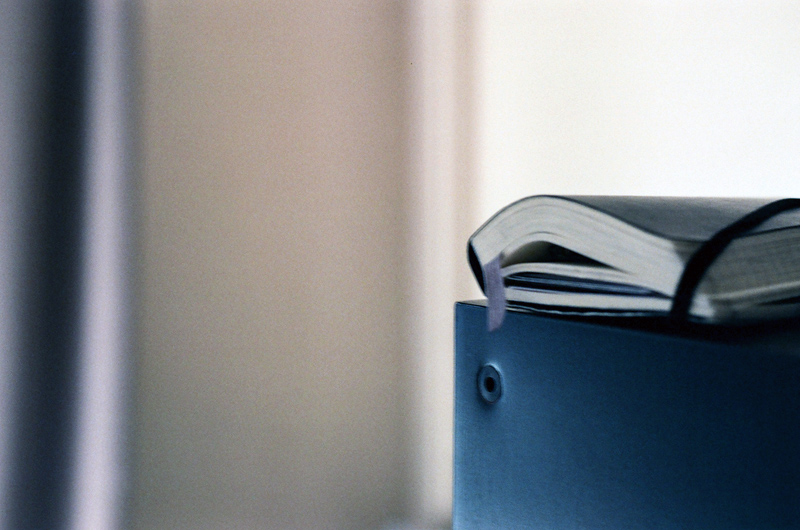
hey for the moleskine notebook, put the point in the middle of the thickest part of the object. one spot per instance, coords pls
(629, 256)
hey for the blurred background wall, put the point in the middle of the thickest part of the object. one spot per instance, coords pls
(629, 97)
(311, 171)
(272, 383)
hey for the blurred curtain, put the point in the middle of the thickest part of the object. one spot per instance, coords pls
(65, 268)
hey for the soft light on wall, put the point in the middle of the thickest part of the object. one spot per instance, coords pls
(624, 97)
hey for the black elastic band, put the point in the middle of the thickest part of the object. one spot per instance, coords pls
(704, 256)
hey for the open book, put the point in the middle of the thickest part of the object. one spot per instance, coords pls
(626, 256)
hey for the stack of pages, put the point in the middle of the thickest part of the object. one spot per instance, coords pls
(626, 255)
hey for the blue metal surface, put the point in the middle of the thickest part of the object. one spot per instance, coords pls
(606, 427)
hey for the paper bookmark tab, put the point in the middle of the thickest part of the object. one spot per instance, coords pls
(495, 292)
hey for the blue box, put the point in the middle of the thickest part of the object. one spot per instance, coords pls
(624, 424)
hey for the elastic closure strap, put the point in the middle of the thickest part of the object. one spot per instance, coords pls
(704, 256)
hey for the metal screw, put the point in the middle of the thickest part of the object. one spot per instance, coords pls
(489, 383)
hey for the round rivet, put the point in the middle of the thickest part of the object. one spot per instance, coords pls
(489, 383)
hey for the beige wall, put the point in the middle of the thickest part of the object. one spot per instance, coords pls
(271, 379)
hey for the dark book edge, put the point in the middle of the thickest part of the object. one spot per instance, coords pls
(475, 264)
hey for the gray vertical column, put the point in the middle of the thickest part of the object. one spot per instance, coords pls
(65, 261)
(20, 43)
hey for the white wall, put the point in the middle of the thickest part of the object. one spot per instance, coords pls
(442, 215)
(628, 97)
(271, 388)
